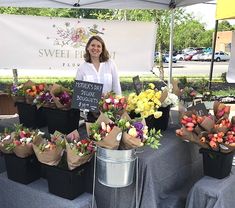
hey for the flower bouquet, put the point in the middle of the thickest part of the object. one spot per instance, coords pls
(5, 139)
(112, 105)
(211, 132)
(22, 139)
(61, 96)
(104, 132)
(18, 93)
(32, 90)
(78, 151)
(49, 151)
(44, 98)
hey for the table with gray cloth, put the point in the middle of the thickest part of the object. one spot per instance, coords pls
(165, 176)
(210, 192)
(36, 195)
(2, 164)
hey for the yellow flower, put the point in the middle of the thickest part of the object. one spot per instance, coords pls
(157, 114)
(133, 132)
(151, 86)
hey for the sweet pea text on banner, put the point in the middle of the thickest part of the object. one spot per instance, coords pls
(33, 42)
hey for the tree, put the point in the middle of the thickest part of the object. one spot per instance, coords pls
(225, 26)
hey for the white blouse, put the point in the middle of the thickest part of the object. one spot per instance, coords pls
(106, 75)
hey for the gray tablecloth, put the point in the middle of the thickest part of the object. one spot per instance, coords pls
(210, 192)
(36, 195)
(165, 177)
(2, 164)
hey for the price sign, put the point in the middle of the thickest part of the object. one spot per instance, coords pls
(137, 84)
(200, 109)
(86, 95)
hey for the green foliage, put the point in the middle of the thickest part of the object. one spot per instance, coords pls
(153, 138)
(225, 26)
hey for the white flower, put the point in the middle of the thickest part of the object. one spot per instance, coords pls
(108, 100)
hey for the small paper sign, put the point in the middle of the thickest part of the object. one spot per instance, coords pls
(137, 84)
(200, 109)
(86, 95)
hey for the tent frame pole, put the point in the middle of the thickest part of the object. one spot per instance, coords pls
(213, 54)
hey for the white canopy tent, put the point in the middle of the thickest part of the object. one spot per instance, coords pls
(110, 4)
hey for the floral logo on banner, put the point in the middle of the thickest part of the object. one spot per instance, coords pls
(74, 36)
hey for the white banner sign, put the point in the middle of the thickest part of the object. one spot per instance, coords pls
(31, 42)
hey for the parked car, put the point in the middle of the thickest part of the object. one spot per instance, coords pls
(219, 56)
(165, 58)
(180, 57)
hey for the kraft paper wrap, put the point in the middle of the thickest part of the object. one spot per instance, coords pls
(50, 157)
(226, 148)
(129, 142)
(193, 137)
(112, 140)
(74, 135)
(163, 95)
(3, 148)
(207, 124)
(175, 88)
(23, 150)
(75, 160)
(215, 109)
(53, 89)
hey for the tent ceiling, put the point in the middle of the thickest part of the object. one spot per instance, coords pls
(108, 4)
(225, 9)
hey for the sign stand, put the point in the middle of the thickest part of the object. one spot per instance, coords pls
(115, 189)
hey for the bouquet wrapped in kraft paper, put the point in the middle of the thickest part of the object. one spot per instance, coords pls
(5, 140)
(137, 134)
(79, 151)
(112, 105)
(61, 96)
(32, 90)
(104, 132)
(49, 152)
(212, 132)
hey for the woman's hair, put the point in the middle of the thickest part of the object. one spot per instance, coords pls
(104, 56)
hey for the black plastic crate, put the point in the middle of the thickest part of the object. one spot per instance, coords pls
(22, 170)
(64, 121)
(160, 123)
(65, 183)
(216, 164)
(30, 116)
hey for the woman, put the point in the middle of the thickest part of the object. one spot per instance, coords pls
(98, 67)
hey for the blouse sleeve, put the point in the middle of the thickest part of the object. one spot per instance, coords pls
(116, 87)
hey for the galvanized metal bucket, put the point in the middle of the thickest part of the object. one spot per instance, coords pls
(115, 168)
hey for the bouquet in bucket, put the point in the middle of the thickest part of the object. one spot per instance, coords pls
(210, 132)
(49, 151)
(79, 151)
(147, 102)
(61, 96)
(136, 134)
(22, 140)
(112, 105)
(104, 132)
(5, 140)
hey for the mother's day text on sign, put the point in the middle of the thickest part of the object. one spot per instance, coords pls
(86, 95)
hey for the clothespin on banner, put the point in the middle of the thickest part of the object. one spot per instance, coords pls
(15, 76)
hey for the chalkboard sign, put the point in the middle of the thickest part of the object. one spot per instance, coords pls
(137, 84)
(200, 109)
(86, 95)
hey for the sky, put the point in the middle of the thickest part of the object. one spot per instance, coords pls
(205, 13)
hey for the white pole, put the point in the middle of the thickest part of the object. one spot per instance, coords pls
(171, 48)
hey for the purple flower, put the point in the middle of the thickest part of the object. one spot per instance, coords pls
(138, 125)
